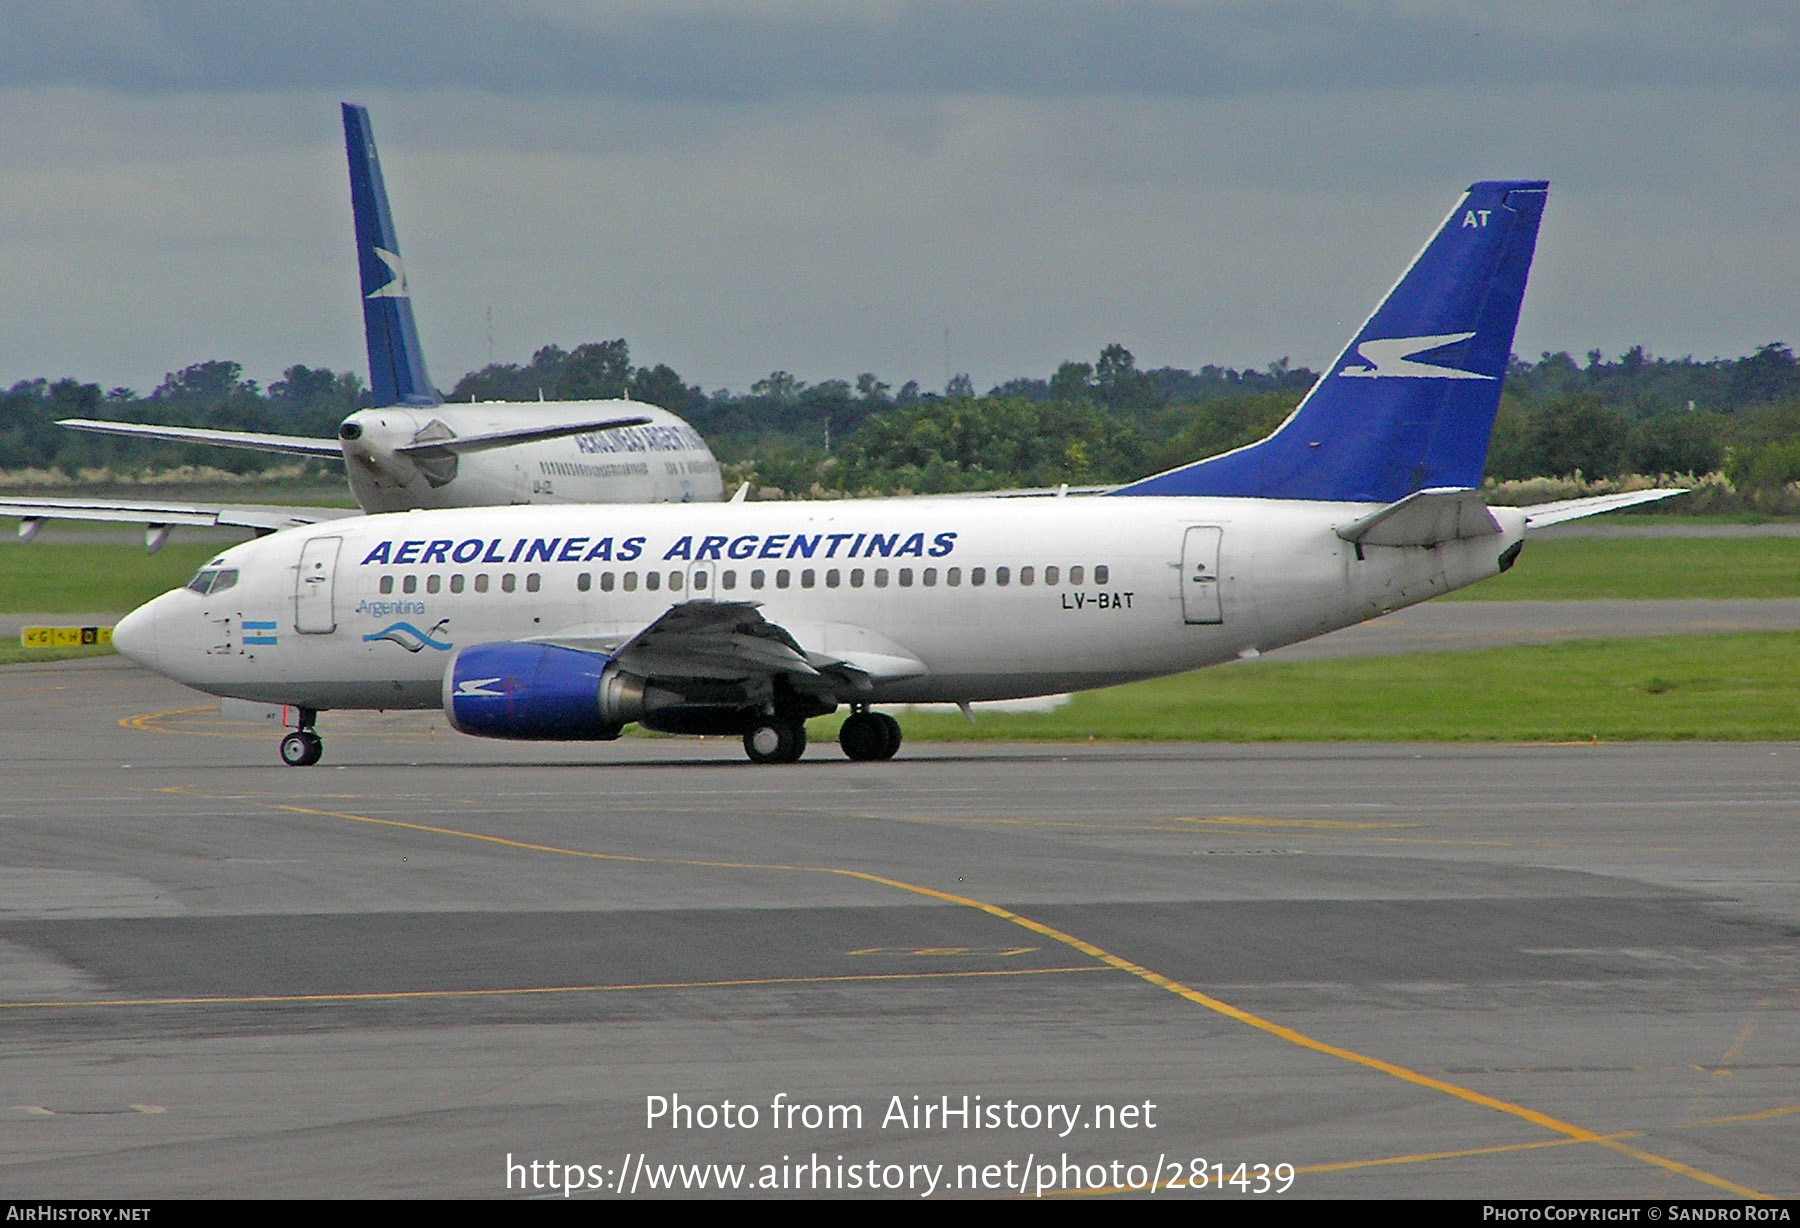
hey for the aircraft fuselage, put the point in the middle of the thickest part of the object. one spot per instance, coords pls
(996, 599)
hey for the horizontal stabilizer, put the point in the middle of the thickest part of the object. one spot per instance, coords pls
(292, 444)
(1424, 518)
(504, 439)
(1543, 515)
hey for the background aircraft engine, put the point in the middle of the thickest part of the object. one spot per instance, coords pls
(529, 691)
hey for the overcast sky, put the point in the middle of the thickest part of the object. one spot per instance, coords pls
(983, 186)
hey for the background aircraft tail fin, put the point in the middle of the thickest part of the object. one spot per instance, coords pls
(396, 363)
(1409, 405)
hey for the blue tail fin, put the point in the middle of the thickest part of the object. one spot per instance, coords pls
(396, 363)
(1410, 403)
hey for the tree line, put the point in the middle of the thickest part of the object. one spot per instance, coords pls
(1085, 423)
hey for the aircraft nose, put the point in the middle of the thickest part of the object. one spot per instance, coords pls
(135, 635)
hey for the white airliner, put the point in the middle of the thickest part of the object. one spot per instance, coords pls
(412, 450)
(569, 623)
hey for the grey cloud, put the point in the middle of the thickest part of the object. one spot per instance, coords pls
(1035, 48)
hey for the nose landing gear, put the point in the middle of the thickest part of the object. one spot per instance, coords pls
(303, 747)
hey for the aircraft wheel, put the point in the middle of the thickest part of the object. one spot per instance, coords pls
(890, 731)
(775, 740)
(302, 748)
(863, 737)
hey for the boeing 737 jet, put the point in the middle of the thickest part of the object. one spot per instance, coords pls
(411, 450)
(570, 623)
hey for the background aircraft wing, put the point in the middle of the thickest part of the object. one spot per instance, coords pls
(159, 518)
(505, 439)
(294, 444)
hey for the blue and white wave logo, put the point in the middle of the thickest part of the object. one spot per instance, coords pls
(410, 637)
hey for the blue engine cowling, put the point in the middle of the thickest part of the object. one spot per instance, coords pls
(536, 692)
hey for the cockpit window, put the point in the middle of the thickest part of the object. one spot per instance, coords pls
(213, 580)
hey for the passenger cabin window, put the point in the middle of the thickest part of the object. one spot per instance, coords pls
(631, 581)
(1100, 574)
(409, 584)
(606, 581)
(533, 581)
(481, 583)
(1025, 574)
(583, 582)
(433, 583)
(456, 583)
(1050, 574)
(1075, 575)
(387, 585)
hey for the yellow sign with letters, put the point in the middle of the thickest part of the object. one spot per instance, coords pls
(64, 637)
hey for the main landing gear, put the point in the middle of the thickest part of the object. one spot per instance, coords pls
(303, 747)
(775, 739)
(867, 736)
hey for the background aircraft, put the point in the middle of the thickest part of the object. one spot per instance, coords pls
(411, 450)
(563, 623)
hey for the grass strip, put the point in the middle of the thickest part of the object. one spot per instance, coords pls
(1646, 568)
(1738, 687)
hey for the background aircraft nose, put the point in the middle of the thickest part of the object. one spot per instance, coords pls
(135, 635)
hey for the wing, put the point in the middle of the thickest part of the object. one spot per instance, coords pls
(731, 641)
(293, 444)
(159, 518)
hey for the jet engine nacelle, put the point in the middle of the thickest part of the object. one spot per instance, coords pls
(541, 692)
(536, 692)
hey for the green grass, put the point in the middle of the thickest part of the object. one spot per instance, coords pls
(1708, 687)
(1641, 568)
(12, 653)
(65, 578)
